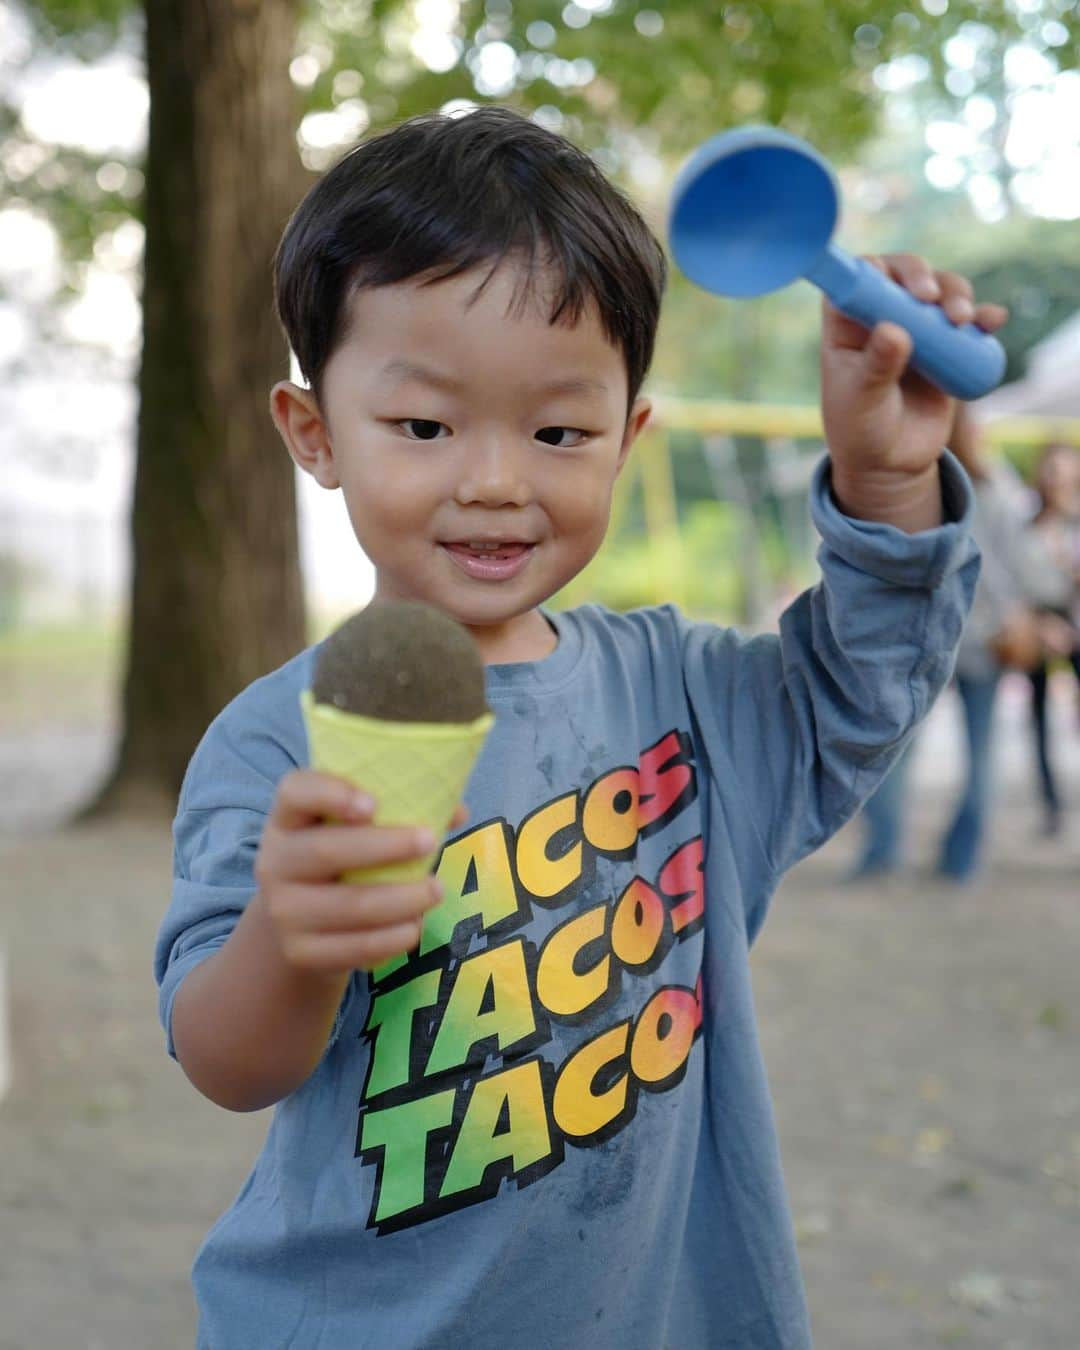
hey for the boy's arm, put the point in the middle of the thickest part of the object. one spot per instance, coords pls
(800, 728)
(805, 727)
(254, 954)
(251, 1021)
(246, 1027)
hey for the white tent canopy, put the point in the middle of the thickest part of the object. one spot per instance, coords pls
(1051, 386)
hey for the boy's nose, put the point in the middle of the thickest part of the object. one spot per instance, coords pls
(493, 475)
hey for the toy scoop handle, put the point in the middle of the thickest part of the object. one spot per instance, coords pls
(962, 359)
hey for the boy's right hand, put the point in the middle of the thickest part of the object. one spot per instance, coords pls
(320, 827)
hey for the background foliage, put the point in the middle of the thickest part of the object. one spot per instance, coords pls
(641, 84)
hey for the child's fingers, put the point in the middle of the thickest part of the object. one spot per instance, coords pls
(950, 290)
(839, 333)
(323, 852)
(305, 796)
(332, 953)
(957, 297)
(915, 275)
(991, 317)
(345, 909)
(842, 333)
(886, 354)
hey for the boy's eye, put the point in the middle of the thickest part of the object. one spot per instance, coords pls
(563, 437)
(423, 428)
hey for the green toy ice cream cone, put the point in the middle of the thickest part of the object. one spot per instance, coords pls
(397, 707)
(416, 771)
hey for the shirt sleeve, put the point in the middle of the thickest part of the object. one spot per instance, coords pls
(804, 724)
(225, 799)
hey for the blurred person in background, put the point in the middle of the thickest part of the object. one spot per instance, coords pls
(1010, 625)
(1057, 523)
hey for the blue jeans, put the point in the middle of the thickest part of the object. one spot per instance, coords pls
(962, 846)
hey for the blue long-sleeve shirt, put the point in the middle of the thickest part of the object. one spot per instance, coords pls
(550, 1128)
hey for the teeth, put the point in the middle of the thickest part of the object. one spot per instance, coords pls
(479, 546)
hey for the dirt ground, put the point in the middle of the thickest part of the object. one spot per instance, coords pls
(923, 1044)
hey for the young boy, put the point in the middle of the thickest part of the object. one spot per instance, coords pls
(520, 1103)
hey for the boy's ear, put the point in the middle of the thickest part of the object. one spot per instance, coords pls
(303, 428)
(635, 425)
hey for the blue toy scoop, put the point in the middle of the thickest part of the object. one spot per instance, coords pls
(755, 209)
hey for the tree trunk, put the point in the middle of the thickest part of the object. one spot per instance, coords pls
(216, 596)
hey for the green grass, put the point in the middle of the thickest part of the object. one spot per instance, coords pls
(71, 672)
(44, 645)
(59, 672)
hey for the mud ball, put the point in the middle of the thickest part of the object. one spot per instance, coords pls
(402, 661)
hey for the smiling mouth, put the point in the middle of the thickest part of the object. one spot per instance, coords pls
(485, 548)
(490, 561)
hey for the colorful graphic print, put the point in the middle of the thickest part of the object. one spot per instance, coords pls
(443, 1133)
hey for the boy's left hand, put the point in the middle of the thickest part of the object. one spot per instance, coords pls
(886, 426)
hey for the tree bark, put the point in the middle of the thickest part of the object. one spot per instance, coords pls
(216, 596)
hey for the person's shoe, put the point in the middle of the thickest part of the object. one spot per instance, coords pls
(958, 876)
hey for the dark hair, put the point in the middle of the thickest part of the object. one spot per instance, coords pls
(439, 195)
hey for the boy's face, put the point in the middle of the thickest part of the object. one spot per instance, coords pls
(453, 422)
